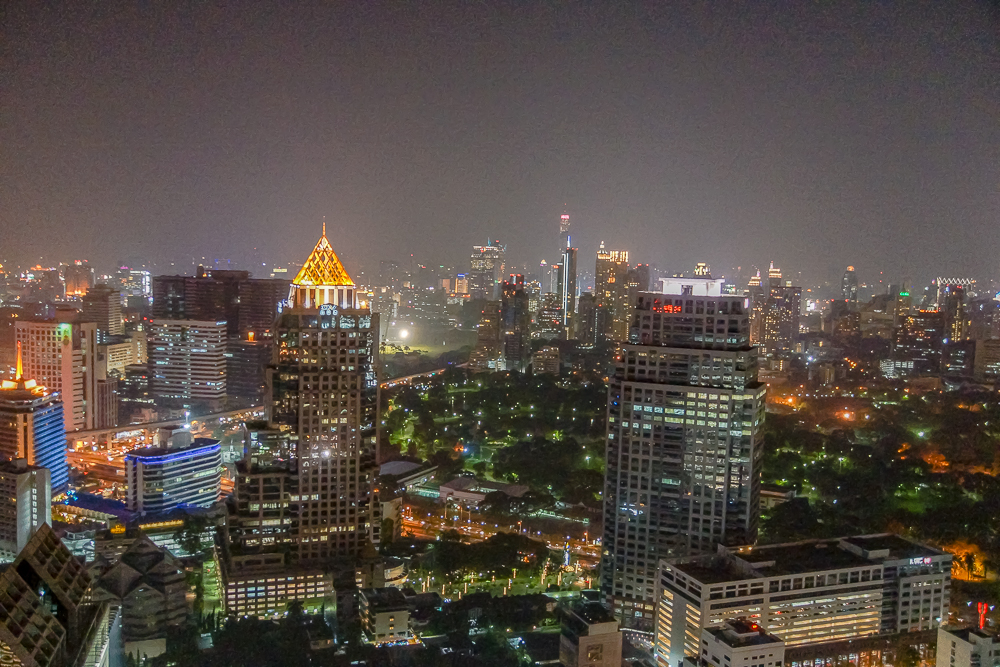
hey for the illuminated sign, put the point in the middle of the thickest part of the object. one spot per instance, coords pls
(328, 310)
(118, 529)
(667, 308)
(920, 561)
(162, 524)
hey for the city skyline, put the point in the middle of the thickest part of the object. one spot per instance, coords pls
(661, 130)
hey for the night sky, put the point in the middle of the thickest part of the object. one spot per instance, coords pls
(816, 134)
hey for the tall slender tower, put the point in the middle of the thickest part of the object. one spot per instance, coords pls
(322, 390)
(685, 411)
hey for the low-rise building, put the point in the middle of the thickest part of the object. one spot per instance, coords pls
(967, 647)
(185, 473)
(385, 616)
(590, 637)
(738, 643)
(261, 585)
(803, 592)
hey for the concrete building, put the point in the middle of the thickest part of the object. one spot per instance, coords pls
(685, 412)
(63, 357)
(32, 427)
(546, 361)
(120, 352)
(187, 359)
(803, 592)
(611, 294)
(185, 472)
(25, 505)
(385, 616)
(738, 643)
(263, 586)
(102, 305)
(590, 637)
(967, 647)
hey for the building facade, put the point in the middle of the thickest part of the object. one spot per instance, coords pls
(685, 412)
(611, 293)
(185, 473)
(803, 592)
(187, 360)
(25, 505)
(487, 267)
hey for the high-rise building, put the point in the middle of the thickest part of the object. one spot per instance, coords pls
(25, 505)
(564, 240)
(919, 341)
(780, 314)
(611, 292)
(183, 472)
(849, 285)
(78, 277)
(63, 357)
(102, 305)
(567, 290)
(803, 592)
(685, 412)
(952, 307)
(514, 321)
(322, 389)
(486, 269)
(32, 428)
(586, 323)
(187, 361)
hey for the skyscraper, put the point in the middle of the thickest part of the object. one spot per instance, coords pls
(567, 290)
(79, 277)
(31, 426)
(187, 360)
(62, 356)
(486, 269)
(779, 313)
(564, 241)
(514, 321)
(102, 305)
(611, 293)
(849, 285)
(322, 390)
(952, 306)
(685, 412)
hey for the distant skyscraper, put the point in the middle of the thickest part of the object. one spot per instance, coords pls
(487, 269)
(779, 327)
(564, 236)
(611, 292)
(685, 412)
(567, 289)
(487, 354)
(951, 303)
(25, 504)
(79, 277)
(31, 427)
(514, 319)
(849, 285)
(102, 305)
(919, 341)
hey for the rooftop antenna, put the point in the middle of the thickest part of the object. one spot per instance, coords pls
(324, 225)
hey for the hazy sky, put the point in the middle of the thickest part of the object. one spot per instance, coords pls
(817, 134)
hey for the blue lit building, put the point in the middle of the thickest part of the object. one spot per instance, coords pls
(32, 427)
(185, 473)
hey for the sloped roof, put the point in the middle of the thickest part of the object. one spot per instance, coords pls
(323, 268)
(144, 565)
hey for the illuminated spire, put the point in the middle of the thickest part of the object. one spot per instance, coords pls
(20, 364)
(324, 226)
(19, 383)
(323, 268)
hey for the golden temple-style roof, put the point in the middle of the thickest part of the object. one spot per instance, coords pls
(323, 268)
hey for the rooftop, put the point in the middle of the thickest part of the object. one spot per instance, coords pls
(153, 452)
(384, 599)
(739, 632)
(594, 612)
(323, 268)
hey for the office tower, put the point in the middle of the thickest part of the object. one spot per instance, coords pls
(849, 286)
(102, 304)
(78, 277)
(25, 504)
(567, 290)
(919, 340)
(780, 314)
(984, 318)
(48, 620)
(611, 292)
(183, 472)
(637, 280)
(586, 323)
(187, 361)
(685, 412)
(803, 592)
(246, 366)
(322, 389)
(136, 286)
(952, 306)
(942, 284)
(63, 357)
(487, 354)
(986, 361)
(757, 293)
(32, 428)
(486, 269)
(590, 637)
(547, 323)
(564, 240)
(119, 352)
(514, 321)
